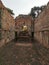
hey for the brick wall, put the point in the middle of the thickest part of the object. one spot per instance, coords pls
(42, 27)
(7, 26)
(22, 20)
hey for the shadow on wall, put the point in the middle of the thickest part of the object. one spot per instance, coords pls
(42, 37)
(6, 36)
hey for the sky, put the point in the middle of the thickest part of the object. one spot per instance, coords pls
(23, 6)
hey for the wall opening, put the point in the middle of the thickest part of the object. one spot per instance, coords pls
(32, 35)
(16, 36)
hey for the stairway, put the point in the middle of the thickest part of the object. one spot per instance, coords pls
(24, 37)
(17, 53)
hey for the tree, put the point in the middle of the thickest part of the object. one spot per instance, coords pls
(42, 7)
(35, 11)
(11, 11)
(32, 13)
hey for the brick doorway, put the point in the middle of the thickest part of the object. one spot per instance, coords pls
(16, 36)
(32, 35)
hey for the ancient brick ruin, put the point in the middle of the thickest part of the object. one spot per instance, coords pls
(24, 21)
(7, 25)
(41, 27)
(16, 52)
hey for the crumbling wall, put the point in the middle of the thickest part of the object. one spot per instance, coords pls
(22, 20)
(41, 27)
(7, 26)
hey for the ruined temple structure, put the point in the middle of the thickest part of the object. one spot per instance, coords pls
(41, 28)
(24, 25)
(7, 25)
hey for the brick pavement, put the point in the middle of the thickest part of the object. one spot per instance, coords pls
(25, 53)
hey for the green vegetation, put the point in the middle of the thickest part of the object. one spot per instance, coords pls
(35, 11)
(11, 11)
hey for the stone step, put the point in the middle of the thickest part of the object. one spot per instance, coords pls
(25, 45)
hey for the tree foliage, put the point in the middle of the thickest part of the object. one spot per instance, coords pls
(11, 11)
(35, 11)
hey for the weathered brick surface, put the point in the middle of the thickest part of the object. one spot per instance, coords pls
(7, 25)
(17, 53)
(22, 20)
(42, 27)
